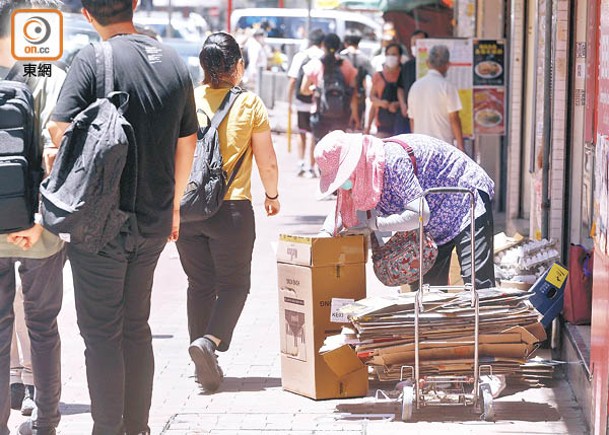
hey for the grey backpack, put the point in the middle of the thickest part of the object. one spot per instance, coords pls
(208, 182)
(81, 198)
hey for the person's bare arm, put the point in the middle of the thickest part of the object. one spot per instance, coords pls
(455, 124)
(412, 125)
(266, 160)
(402, 100)
(306, 87)
(56, 131)
(185, 151)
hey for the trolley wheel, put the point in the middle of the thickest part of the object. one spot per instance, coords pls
(407, 402)
(486, 397)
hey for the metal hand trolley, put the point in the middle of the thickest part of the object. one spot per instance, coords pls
(418, 391)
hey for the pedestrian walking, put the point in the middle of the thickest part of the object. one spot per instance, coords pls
(434, 103)
(365, 71)
(384, 96)
(331, 81)
(388, 177)
(408, 75)
(303, 104)
(112, 287)
(39, 254)
(216, 253)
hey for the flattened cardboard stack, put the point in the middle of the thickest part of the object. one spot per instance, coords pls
(509, 332)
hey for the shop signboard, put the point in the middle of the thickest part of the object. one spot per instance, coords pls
(489, 62)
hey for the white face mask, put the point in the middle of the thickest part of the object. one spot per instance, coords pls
(392, 61)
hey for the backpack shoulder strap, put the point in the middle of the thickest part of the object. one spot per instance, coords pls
(105, 68)
(236, 169)
(225, 106)
(408, 149)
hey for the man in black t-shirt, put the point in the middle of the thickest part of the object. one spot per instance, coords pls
(113, 287)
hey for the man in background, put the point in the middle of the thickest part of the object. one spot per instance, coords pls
(434, 103)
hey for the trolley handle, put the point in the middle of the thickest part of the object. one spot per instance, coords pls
(472, 203)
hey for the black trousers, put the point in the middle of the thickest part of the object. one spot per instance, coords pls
(216, 255)
(322, 126)
(42, 283)
(438, 275)
(112, 293)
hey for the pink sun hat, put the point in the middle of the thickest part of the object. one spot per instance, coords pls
(337, 155)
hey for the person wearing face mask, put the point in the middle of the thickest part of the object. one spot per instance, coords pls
(408, 76)
(434, 103)
(384, 95)
(380, 183)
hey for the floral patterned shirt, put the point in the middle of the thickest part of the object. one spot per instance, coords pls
(438, 165)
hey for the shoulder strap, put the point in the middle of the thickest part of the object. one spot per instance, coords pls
(408, 149)
(105, 68)
(225, 106)
(383, 76)
(236, 169)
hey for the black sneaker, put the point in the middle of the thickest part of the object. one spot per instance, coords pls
(17, 395)
(208, 372)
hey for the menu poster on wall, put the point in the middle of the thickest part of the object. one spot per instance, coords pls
(489, 109)
(489, 62)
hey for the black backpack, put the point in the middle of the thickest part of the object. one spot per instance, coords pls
(81, 198)
(208, 182)
(386, 118)
(20, 157)
(299, 79)
(334, 96)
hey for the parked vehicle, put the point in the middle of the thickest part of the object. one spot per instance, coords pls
(191, 28)
(289, 26)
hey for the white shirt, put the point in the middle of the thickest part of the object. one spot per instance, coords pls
(313, 52)
(430, 100)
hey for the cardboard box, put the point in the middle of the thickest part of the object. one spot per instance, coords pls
(321, 251)
(305, 301)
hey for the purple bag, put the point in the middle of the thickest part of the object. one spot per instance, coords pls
(397, 262)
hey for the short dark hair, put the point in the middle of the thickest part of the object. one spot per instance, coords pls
(395, 44)
(219, 57)
(316, 36)
(420, 32)
(108, 12)
(8, 6)
(353, 37)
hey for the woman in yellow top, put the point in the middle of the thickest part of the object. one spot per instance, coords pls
(216, 254)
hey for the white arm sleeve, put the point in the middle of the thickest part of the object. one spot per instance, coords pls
(406, 221)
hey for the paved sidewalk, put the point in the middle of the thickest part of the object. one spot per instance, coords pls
(251, 400)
